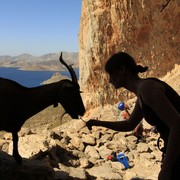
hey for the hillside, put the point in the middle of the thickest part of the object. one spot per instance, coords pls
(45, 62)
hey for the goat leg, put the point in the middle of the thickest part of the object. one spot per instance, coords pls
(16, 155)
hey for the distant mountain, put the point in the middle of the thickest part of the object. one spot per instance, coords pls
(48, 61)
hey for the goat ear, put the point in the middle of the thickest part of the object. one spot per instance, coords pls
(68, 85)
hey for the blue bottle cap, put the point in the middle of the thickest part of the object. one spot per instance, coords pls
(121, 106)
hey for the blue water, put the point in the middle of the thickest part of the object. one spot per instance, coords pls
(29, 78)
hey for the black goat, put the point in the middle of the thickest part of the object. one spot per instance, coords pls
(18, 103)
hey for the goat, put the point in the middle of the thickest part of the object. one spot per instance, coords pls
(18, 103)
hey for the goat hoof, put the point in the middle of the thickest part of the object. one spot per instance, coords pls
(18, 159)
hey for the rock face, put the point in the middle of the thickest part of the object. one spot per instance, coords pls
(148, 30)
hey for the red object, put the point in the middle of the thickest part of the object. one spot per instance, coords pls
(109, 157)
(125, 115)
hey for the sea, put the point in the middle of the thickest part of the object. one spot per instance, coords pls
(30, 78)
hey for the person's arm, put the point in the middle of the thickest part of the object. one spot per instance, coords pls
(161, 105)
(122, 126)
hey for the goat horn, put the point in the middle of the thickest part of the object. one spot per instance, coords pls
(70, 69)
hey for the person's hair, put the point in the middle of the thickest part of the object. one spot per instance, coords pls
(120, 59)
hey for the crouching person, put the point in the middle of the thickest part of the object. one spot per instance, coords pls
(156, 101)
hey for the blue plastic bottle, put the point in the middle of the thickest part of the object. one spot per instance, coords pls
(123, 159)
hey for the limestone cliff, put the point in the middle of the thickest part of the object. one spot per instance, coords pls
(148, 30)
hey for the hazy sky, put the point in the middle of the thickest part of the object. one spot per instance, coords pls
(38, 27)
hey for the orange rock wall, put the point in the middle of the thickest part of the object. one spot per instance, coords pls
(148, 30)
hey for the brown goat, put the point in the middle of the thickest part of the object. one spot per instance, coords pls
(18, 103)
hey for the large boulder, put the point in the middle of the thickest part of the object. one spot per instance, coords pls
(30, 169)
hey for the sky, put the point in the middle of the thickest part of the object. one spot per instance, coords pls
(39, 27)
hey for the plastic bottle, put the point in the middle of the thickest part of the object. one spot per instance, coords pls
(123, 159)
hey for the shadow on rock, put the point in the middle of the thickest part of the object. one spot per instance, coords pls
(30, 169)
(56, 155)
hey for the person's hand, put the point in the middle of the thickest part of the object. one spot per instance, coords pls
(90, 123)
(165, 174)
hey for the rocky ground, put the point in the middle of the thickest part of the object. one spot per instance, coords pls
(72, 151)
